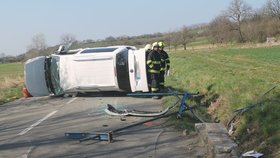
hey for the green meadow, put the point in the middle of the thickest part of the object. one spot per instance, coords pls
(11, 81)
(228, 79)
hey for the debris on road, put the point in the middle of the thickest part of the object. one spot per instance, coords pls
(111, 110)
(108, 136)
(252, 153)
(90, 136)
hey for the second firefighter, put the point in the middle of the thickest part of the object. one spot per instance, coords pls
(154, 64)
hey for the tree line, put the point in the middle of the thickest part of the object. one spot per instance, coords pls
(240, 23)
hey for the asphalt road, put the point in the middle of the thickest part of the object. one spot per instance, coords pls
(35, 127)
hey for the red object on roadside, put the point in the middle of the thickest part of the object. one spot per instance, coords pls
(25, 92)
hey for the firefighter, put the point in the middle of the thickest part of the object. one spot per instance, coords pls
(148, 50)
(165, 65)
(154, 64)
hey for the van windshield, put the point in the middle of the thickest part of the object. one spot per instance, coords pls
(55, 80)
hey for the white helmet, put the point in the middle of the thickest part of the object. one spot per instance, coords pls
(148, 47)
(155, 44)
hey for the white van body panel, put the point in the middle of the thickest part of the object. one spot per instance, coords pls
(141, 73)
(132, 69)
(88, 72)
(137, 70)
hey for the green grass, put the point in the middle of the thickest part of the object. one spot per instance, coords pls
(11, 70)
(11, 82)
(11, 93)
(198, 41)
(229, 79)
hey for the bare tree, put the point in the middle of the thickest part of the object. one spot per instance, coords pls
(238, 11)
(175, 39)
(37, 46)
(67, 39)
(184, 36)
(273, 8)
(221, 30)
(38, 42)
(110, 40)
(168, 40)
(123, 40)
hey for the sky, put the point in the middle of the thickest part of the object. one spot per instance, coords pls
(92, 19)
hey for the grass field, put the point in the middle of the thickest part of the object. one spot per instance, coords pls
(229, 79)
(11, 81)
(199, 41)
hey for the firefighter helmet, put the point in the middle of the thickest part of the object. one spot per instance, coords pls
(155, 44)
(161, 44)
(148, 47)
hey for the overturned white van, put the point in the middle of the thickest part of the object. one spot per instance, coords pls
(116, 68)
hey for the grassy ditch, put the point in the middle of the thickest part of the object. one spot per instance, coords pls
(228, 79)
(11, 82)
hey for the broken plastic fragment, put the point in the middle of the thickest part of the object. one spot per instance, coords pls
(252, 153)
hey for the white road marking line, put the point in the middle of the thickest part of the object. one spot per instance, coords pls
(70, 101)
(43, 119)
(26, 155)
(37, 123)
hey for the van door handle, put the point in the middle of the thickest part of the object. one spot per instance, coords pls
(131, 71)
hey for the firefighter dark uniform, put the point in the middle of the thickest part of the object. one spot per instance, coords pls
(165, 64)
(154, 64)
(148, 50)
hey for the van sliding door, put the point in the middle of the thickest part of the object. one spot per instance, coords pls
(137, 70)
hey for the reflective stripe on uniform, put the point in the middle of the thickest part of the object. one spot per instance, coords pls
(162, 83)
(154, 89)
(156, 62)
(167, 63)
(150, 63)
(154, 71)
(162, 69)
